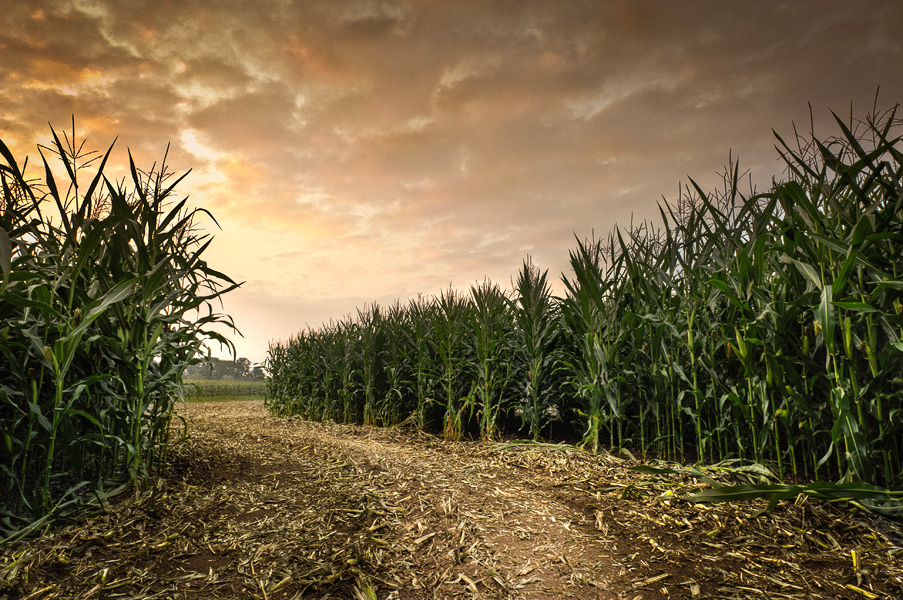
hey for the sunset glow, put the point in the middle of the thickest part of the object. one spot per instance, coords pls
(363, 151)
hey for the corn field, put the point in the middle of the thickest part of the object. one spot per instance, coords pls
(104, 300)
(751, 327)
(198, 389)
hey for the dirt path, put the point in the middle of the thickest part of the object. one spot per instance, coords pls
(259, 507)
(420, 519)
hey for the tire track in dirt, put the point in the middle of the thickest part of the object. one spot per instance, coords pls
(486, 523)
(464, 524)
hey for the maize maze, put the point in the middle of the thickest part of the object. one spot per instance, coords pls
(104, 301)
(744, 327)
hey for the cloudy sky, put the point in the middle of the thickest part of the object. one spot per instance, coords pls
(361, 151)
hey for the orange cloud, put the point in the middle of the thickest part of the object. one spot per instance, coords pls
(107, 126)
(46, 71)
(310, 59)
(145, 32)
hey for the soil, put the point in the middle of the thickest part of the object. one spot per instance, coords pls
(254, 506)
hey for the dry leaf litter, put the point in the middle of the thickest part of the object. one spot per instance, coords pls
(260, 507)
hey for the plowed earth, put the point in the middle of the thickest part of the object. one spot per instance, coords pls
(260, 507)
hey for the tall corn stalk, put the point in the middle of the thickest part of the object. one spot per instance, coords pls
(536, 316)
(453, 354)
(104, 301)
(493, 332)
(584, 315)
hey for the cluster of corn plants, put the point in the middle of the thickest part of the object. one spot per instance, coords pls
(201, 389)
(446, 363)
(759, 326)
(104, 301)
(744, 326)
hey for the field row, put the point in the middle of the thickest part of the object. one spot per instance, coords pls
(758, 328)
(199, 389)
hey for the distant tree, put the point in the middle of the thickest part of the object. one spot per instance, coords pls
(216, 369)
(242, 368)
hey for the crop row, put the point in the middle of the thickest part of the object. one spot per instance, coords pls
(761, 327)
(208, 389)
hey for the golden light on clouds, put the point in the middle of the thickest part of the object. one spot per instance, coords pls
(191, 143)
(365, 151)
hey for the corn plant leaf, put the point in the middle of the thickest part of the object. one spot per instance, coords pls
(808, 271)
(89, 417)
(818, 489)
(140, 190)
(69, 344)
(6, 253)
(24, 302)
(726, 290)
(175, 212)
(89, 242)
(885, 235)
(55, 194)
(118, 293)
(63, 155)
(856, 451)
(10, 160)
(165, 193)
(739, 493)
(84, 210)
(38, 415)
(863, 226)
(862, 307)
(666, 470)
(825, 315)
(895, 284)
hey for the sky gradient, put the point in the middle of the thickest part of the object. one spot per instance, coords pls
(361, 151)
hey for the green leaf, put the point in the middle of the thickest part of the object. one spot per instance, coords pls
(862, 307)
(778, 492)
(727, 291)
(86, 204)
(117, 293)
(737, 493)
(857, 451)
(35, 411)
(661, 471)
(895, 284)
(55, 194)
(21, 301)
(861, 231)
(6, 253)
(808, 271)
(825, 315)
